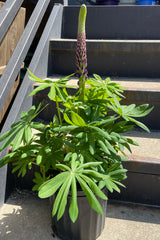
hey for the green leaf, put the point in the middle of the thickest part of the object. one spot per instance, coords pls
(118, 171)
(141, 111)
(61, 198)
(65, 128)
(103, 146)
(88, 165)
(38, 180)
(37, 89)
(63, 202)
(52, 92)
(68, 156)
(60, 94)
(48, 188)
(37, 125)
(73, 208)
(27, 134)
(90, 196)
(110, 147)
(63, 167)
(98, 77)
(111, 186)
(10, 139)
(39, 158)
(18, 140)
(92, 148)
(101, 132)
(15, 127)
(73, 161)
(94, 187)
(66, 118)
(131, 141)
(77, 120)
(36, 79)
(141, 125)
(6, 159)
(94, 174)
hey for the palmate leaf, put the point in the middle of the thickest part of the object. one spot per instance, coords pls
(22, 165)
(88, 165)
(90, 196)
(141, 125)
(48, 188)
(7, 158)
(73, 208)
(21, 126)
(140, 111)
(93, 186)
(101, 132)
(38, 180)
(111, 185)
(61, 198)
(14, 127)
(34, 78)
(10, 138)
(40, 88)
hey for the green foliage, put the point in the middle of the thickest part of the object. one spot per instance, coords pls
(84, 143)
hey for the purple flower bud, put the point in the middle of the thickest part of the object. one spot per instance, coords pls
(81, 53)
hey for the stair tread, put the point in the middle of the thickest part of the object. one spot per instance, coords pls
(106, 40)
(149, 146)
(130, 45)
(128, 83)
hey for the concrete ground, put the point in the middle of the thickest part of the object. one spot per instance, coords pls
(25, 217)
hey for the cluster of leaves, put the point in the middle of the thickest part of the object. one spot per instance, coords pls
(84, 142)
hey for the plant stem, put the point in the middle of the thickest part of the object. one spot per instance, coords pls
(58, 110)
(82, 81)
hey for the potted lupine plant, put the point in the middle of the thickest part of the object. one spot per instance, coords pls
(80, 153)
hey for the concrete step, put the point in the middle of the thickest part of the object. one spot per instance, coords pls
(117, 58)
(142, 184)
(32, 217)
(138, 91)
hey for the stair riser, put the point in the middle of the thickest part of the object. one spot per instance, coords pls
(142, 184)
(117, 59)
(110, 22)
(142, 97)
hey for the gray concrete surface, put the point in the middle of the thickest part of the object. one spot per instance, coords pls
(25, 217)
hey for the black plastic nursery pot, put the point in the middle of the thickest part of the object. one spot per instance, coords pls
(89, 224)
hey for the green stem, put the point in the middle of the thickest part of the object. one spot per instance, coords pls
(58, 110)
(82, 87)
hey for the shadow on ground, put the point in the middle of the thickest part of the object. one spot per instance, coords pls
(134, 212)
(26, 217)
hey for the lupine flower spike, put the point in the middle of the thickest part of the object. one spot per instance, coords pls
(81, 54)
